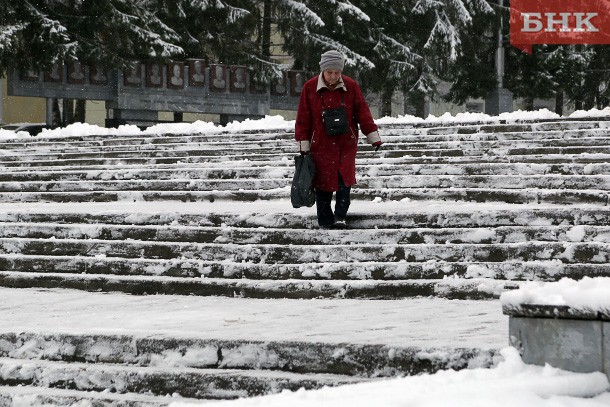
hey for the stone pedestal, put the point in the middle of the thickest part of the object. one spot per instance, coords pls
(561, 337)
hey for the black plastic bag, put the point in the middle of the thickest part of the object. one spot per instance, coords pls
(302, 192)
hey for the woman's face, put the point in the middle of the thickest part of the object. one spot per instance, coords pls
(331, 76)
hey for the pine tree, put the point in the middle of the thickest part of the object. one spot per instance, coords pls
(39, 33)
(568, 66)
(30, 36)
(529, 76)
(419, 43)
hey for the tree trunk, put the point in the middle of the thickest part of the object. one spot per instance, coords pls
(56, 114)
(529, 103)
(68, 111)
(415, 105)
(80, 110)
(559, 103)
(386, 102)
(266, 29)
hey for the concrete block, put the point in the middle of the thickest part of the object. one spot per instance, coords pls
(574, 345)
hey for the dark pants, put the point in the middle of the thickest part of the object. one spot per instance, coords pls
(323, 204)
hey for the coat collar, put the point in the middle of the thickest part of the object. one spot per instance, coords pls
(322, 85)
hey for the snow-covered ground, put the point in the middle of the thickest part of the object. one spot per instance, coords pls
(417, 322)
(397, 322)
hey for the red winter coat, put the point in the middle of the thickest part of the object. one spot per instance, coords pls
(336, 154)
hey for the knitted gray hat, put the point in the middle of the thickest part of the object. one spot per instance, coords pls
(332, 60)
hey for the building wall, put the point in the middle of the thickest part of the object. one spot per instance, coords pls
(16, 109)
(96, 112)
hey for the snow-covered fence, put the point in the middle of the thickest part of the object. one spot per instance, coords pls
(565, 324)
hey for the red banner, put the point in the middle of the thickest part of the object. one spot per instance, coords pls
(559, 22)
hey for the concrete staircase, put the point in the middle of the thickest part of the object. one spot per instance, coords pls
(518, 201)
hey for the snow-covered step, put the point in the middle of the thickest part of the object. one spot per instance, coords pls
(472, 144)
(109, 336)
(499, 195)
(12, 396)
(278, 215)
(400, 136)
(350, 359)
(599, 149)
(284, 162)
(146, 185)
(364, 158)
(499, 127)
(160, 381)
(150, 149)
(424, 128)
(507, 182)
(41, 155)
(450, 288)
(146, 139)
(284, 169)
(566, 252)
(371, 271)
(135, 173)
(274, 235)
(45, 158)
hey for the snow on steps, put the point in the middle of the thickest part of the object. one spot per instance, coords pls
(22, 396)
(340, 359)
(452, 254)
(127, 370)
(159, 381)
(455, 254)
(477, 163)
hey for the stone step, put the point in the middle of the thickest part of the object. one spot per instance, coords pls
(390, 149)
(13, 396)
(540, 126)
(439, 215)
(566, 252)
(284, 170)
(159, 381)
(287, 159)
(516, 196)
(501, 182)
(392, 146)
(451, 288)
(193, 156)
(154, 138)
(521, 126)
(404, 136)
(341, 359)
(392, 271)
(285, 236)
(45, 158)
(415, 128)
(556, 150)
(391, 141)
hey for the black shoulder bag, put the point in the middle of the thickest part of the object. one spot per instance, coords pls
(335, 120)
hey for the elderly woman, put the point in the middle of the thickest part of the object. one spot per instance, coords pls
(330, 110)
